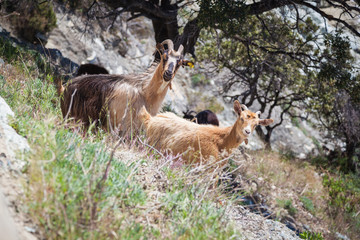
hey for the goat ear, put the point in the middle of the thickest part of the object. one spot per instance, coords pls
(237, 107)
(265, 122)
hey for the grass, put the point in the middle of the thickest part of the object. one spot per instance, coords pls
(86, 186)
(287, 204)
(79, 187)
(308, 204)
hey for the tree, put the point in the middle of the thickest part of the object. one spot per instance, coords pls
(336, 100)
(270, 47)
(260, 59)
(164, 14)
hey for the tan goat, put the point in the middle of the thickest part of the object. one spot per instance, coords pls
(115, 100)
(198, 142)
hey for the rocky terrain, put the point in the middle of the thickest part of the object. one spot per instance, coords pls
(128, 49)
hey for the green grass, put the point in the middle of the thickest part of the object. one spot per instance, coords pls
(308, 204)
(287, 204)
(71, 194)
(311, 236)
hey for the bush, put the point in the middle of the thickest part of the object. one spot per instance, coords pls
(287, 204)
(308, 204)
(311, 236)
(34, 17)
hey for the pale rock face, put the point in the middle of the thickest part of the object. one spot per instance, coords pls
(130, 46)
(11, 144)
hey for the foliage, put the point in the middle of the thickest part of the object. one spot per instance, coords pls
(308, 204)
(344, 196)
(344, 191)
(167, 108)
(279, 67)
(262, 60)
(335, 98)
(199, 79)
(33, 17)
(287, 204)
(311, 236)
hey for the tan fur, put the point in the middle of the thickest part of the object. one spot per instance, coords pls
(197, 142)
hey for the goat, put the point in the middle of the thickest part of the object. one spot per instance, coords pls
(169, 132)
(207, 117)
(189, 114)
(114, 100)
(90, 68)
(203, 117)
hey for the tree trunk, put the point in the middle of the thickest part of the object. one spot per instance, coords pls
(265, 138)
(350, 154)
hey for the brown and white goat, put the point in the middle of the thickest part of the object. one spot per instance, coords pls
(198, 142)
(115, 100)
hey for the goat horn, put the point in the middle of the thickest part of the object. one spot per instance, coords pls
(169, 43)
(180, 49)
(244, 106)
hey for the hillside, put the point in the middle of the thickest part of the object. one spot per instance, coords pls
(62, 183)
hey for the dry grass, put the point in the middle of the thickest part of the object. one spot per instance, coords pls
(278, 180)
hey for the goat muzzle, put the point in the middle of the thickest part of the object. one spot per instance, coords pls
(168, 75)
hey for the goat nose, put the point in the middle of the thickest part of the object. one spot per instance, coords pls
(247, 131)
(170, 67)
(168, 73)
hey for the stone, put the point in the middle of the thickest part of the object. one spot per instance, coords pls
(11, 143)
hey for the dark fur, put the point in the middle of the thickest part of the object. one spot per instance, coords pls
(203, 117)
(207, 117)
(90, 101)
(189, 114)
(90, 68)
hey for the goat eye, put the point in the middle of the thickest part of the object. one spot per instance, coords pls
(248, 116)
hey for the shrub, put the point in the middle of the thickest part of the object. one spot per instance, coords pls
(311, 236)
(34, 17)
(308, 204)
(287, 204)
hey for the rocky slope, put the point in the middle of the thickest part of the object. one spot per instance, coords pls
(13, 224)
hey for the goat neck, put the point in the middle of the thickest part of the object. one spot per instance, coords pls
(233, 136)
(155, 90)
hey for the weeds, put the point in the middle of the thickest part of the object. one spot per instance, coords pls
(287, 204)
(308, 204)
(311, 236)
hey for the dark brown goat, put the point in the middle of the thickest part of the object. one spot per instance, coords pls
(115, 100)
(90, 68)
(203, 117)
(207, 117)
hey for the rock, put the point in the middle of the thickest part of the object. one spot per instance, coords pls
(254, 227)
(2, 62)
(10, 142)
(341, 236)
(7, 226)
